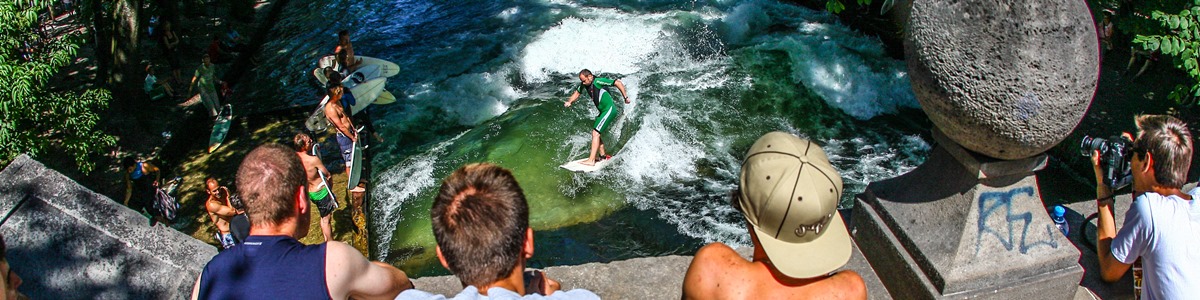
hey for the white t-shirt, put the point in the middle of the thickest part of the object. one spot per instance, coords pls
(1165, 233)
(472, 293)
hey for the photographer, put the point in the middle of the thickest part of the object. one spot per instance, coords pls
(1160, 225)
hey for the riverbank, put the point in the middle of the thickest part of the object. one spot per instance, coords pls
(173, 133)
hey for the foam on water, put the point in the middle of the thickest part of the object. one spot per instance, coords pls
(680, 144)
(849, 70)
(470, 98)
(400, 184)
(606, 41)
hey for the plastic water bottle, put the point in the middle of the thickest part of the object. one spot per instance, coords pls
(1060, 220)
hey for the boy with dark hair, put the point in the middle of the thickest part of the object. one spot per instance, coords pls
(1158, 228)
(481, 223)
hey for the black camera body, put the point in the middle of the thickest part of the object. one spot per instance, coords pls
(1115, 158)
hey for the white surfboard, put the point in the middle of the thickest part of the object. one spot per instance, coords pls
(578, 166)
(356, 156)
(330, 187)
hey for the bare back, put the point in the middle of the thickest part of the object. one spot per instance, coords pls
(718, 272)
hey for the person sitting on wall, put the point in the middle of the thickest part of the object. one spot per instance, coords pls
(788, 193)
(1160, 226)
(481, 224)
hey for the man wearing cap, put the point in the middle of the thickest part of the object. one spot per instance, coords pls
(788, 192)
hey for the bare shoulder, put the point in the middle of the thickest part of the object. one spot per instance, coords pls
(710, 270)
(341, 251)
(847, 284)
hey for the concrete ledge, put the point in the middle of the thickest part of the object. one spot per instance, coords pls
(641, 278)
(68, 242)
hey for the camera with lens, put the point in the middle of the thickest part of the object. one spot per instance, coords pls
(1115, 158)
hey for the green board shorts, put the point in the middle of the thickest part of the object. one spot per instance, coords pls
(325, 205)
(608, 115)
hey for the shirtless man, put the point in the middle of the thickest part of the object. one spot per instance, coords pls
(317, 176)
(220, 211)
(335, 112)
(594, 87)
(345, 53)
(799, 245)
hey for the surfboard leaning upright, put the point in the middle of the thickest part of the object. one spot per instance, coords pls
(356, 156)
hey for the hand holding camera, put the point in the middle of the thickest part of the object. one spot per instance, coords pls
(1111, 159)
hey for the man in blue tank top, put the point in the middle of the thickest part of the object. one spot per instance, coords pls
(481, 224)
(272, 263)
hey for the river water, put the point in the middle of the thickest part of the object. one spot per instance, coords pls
(486, 80)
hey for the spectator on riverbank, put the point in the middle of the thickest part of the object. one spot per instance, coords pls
(317, 176)
(481, 224)
(272, 263)
(216, 53)
(204, 78)
(154, 88)
(1160, 226)
(220, 211)
(141, 185)
(788, 192)
(168, 41)
(11, 281)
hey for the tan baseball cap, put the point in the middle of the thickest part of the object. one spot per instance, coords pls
(789, 193)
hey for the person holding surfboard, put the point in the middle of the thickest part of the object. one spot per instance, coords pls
(344, 127)
(594, 87)
(318, 187)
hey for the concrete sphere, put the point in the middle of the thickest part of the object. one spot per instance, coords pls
(1007, 79)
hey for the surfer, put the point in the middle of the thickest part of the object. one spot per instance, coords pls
(594, 87)
(345, 53)
(335, 112)
(316, 173)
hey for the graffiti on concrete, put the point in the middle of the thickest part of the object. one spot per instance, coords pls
(1000, 203)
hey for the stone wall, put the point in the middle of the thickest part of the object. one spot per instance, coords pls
(67, 242)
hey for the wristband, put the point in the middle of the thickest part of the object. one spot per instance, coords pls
(1102, 199)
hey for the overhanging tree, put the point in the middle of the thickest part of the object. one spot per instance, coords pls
(33, 118)
(1181, 43)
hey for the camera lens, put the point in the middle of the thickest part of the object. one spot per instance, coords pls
(1089, 144)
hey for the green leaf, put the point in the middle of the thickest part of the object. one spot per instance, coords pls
(1173, 22)
(1151, 44)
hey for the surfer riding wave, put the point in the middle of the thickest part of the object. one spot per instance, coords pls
(594, 87)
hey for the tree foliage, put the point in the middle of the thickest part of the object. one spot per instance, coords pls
(36, 119)
(1180, 42)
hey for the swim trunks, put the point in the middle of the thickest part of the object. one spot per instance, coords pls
(226, 240)
(608, 113)
(325, 203)
(347, 146)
